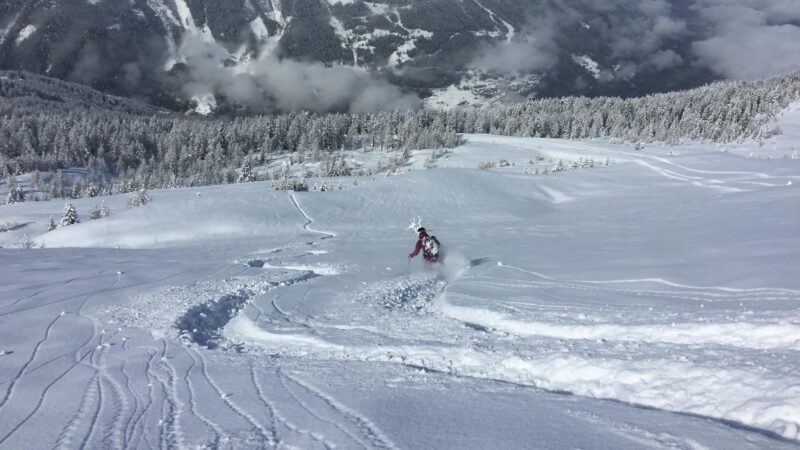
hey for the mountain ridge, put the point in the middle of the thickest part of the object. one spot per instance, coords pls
(239, 56)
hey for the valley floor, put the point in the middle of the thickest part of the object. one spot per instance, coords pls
(650, 303)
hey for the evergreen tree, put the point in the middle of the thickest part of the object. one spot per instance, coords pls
(70, 216)
(91, 190)
(247, 174)
(15, 193)
(140, 198)
(100, 211)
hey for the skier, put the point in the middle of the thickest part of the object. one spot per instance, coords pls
(429, 246)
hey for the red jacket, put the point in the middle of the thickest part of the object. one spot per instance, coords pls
(428, 257)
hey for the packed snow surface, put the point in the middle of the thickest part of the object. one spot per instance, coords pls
(650, 301)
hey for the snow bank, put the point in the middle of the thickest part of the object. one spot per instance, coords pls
(752, 397)
(184, 216)
(738, 334)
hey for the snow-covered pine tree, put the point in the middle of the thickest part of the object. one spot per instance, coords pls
(140, 198)
(77, 189)
(51, 224)
(91, 190)
(99, 211)
(70, 216)
(247, 174)
(15, 193)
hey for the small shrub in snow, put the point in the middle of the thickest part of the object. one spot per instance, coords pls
(15, 195)
(91, 190)
(300, 186)
(430, 162)
(504, 163)
(140, 198)
(51, 224)
(99, 211)
(487, 165)
(26, 243)
(70, 216)
(290, 184)
(8, 226)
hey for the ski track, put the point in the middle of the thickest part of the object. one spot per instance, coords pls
(276, 416)
(42, 399)
(126, 432)
(273, 413)
(372, 432)
(47, 289)
(112, 415)
(115, 434)
(10, 389)
(219, 434)
(309, 220)
(716, 183)
(637, 435)
(127, 424)
(726, 291)
(72, 297)
(95, 417)
(66, 435)
(265, 434)
(306, 407)
(172, 408)
(141, 420)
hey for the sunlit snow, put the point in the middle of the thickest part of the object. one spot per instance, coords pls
(242, 317)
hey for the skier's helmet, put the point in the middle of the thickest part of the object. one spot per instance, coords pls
(420, 229)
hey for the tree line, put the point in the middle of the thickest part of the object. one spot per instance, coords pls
(131, 149)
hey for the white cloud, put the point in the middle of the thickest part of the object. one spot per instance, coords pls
(270, 83)
(750, 39)
(533, 51)
(752, 53)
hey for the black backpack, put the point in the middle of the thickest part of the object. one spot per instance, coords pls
(431, 245)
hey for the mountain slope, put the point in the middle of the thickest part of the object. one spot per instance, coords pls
(176, 51)
(659, 291)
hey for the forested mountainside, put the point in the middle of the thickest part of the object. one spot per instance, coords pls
(138, 146)
(244, 56)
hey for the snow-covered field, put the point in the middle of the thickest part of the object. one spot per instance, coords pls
(653, 302)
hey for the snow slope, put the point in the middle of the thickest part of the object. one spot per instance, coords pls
(652, 302)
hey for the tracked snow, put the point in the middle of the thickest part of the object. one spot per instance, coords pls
(242, 317)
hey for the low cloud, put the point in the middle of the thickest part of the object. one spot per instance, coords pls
(269, 83)
(735, 39)
(750, 39)
(664, 59)
(752, 53)
(534, 51)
